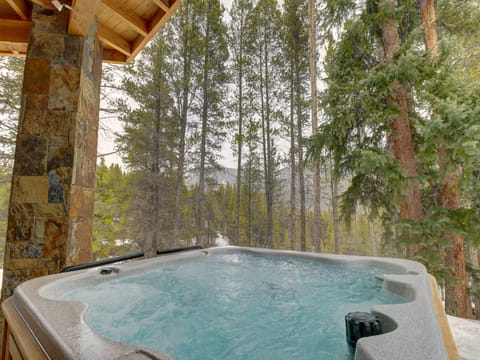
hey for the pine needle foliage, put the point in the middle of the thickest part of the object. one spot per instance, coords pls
(444, 110)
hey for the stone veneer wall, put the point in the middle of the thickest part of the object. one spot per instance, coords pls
(51, 203)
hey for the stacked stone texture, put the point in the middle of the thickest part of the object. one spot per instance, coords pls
(51, 204)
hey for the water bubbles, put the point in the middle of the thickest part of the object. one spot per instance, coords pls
(236, 305)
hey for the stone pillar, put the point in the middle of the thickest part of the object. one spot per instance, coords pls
(51, 201)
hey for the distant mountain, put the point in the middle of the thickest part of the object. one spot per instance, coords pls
(229, 176)
(218, 177)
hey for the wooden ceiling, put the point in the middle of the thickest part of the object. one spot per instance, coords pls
(124, 26)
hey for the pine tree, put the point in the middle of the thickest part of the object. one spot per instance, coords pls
(400, 136)
(267, 32)
(334, 200)
(240, 46)
(367, 103)
(111, 235)
(211, 107)
(185, 34)
(252, 181)
(382, 86)
(450, 139)
(312, 47)
(296, 46)
(148, 144)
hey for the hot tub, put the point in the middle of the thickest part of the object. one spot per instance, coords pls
(61, 314)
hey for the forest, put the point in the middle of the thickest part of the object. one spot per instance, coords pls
(354, 127)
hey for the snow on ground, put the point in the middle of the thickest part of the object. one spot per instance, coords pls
(467, 337)
(221, 240)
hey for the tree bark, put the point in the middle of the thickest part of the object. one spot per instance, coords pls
(314, 113)
(475, 281)
(456, 286)
(356, 240)
(456, 283)
(400, 137)
(266, 139)
(249, 196)
(200, 221)
(301, 178)
(334, 194)
(293, 170)
(373, 235)
(156, 176)
(239, 138)
(269, 156)
(410, 205)
(430, 34)
(183, 130)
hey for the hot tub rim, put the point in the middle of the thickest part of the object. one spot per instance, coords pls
(410, 274)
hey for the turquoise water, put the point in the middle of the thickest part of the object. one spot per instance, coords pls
(236, 306)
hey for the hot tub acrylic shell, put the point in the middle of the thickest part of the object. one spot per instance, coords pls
(411, 329)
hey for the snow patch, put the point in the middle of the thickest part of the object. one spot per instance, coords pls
(466, 333)
(219, 241)
(222, 240)
(122, 242)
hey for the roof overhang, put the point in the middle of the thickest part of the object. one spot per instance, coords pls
(124, 26)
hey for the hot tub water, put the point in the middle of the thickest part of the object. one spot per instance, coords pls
(236, 306)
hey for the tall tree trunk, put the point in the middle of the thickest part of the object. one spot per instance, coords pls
(430, 34)
(180, 176)
(293, 170)
(200, 221)
(314, 113)
(249, 198)
(456, 283)
(156, 217)
(236, 237)
(269, 154)
(186, 74)
(156, 177)
(266, 140)
(475, 280)
(356, 239)
(151, 241)
(456, 286)
(410, 205)
(264, 146)
(334, 194)
(301, 178)
(373, 234)
(239, 139)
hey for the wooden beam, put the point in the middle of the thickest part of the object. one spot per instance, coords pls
(113, 40)
(114, 57)
(20, 7)
(18, 50)
(158, 20)
(44, 3)
(162, 5)
(81, 17)
(14, 31)
(128, 16)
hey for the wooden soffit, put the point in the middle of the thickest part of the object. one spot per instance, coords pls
(124, 26)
